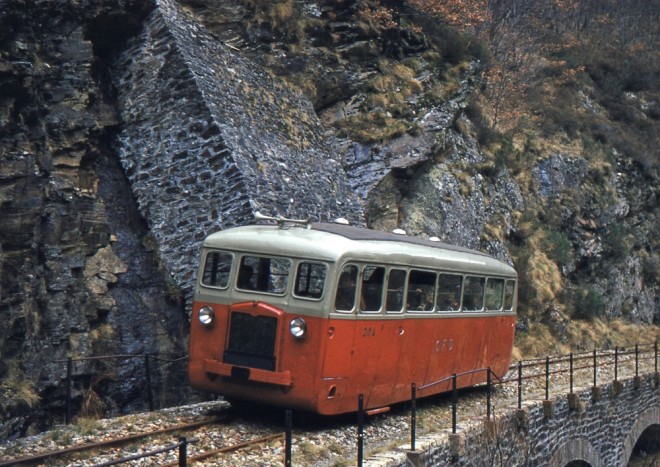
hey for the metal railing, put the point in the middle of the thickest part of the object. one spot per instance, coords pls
(181, 445)
(598, 360)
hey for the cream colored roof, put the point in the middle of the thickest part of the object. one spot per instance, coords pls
(338, 243)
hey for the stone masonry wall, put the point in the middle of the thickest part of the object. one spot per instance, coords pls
(601, 432)
(208, 138)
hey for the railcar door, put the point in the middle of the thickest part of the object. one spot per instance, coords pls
(390, 382)
(339, 338)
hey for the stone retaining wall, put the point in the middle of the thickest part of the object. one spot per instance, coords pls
(208, 138)
(599, 426)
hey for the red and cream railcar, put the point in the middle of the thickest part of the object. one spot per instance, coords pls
(310, 317)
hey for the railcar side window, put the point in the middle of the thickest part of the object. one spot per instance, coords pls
(473, 293)
(449, 292)
(216, 269)
(494, 294)
(421, 290)
(396, 283)
(345, 298)
(310, 279)
(373, 278)
(263, 274)
(509, 290)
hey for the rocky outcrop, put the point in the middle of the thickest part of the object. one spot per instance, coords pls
(76, 277)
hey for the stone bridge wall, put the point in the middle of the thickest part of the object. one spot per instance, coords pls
(598, 426)
(207, 138)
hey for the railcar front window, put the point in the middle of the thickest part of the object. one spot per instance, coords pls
(347, 285)
(473, 293)
(396, 284)
(494, 294)
(373, 278)
(421, 290)
(449, 292)
(263, 274)
(509, 291)
(310, 279)
(217, 266)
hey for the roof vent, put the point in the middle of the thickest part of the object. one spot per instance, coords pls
(399, 232)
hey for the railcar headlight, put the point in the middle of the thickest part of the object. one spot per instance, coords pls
(298, 327)
(206, 315)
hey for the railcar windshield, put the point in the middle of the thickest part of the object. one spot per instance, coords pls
(217, 267)
(263, 274)
(310, 279)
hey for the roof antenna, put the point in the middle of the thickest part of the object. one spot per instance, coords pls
(282, 221)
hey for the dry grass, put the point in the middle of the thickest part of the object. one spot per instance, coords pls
(93, 405)
(544, 276)
(540, 341)
(17, 388)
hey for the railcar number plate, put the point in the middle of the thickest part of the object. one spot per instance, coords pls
(368, 332)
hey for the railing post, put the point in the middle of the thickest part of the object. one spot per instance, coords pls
(183, 451)
(616, 363)
(360, 430)
(595, 368)
(413, 416)
(547, 378)
(571, 371)
(147, 374)
(454, 403)
(69, 370)
(488, 393)
(287, 450)
(520, 370)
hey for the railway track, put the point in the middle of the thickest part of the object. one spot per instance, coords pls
(130, 448)
(48, 457)
(233, 437)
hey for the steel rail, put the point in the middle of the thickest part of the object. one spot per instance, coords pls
(233, 447)
(110, 442)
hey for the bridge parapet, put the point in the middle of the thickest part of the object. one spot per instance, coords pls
(597, 425)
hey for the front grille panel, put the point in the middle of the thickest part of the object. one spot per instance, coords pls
(251, 341)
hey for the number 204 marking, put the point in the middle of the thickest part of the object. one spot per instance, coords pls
(368, 332)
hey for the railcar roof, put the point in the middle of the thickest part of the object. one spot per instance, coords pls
(357, 233)
(333, 241)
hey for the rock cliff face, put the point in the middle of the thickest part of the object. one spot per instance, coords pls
(78, 275)
(129, 130)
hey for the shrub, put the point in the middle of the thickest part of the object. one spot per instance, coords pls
(619, 240)
(558, 247)
(588, 304)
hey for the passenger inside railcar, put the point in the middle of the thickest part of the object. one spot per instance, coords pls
(345, 298)
(245, 277)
